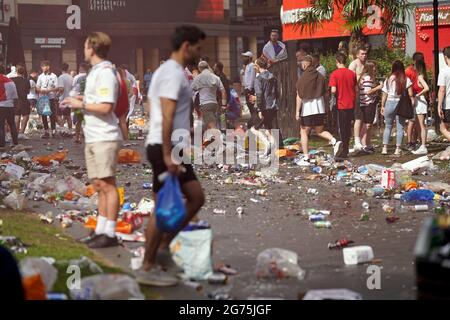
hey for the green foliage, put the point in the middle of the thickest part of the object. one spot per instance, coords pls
(383, 57)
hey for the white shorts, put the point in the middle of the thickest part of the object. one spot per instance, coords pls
(421, 105)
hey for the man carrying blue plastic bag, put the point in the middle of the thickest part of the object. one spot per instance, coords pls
(170, 100)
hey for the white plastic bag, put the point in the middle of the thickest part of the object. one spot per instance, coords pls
(278, 263)
(76, 185)
(192, 251)
(15, 201)
(33, 266)
(108, 287)
(61, 187)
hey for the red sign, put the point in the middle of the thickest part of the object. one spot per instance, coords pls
(210, 10)
(333, 27)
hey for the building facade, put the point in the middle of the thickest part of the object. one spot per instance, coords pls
(140, 30)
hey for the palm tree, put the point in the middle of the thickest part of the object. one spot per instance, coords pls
(356, 16)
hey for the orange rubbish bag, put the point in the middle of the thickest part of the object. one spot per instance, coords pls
(46, 160)
(282, 153)
(121, 227)
(129, 156)
(34, 288)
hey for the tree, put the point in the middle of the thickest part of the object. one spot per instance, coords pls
(357, 14)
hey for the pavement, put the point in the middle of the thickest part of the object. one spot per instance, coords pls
(275, 221)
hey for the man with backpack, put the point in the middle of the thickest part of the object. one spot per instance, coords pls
(103, 136)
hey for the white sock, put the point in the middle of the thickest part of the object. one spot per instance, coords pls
(101, 224)
(110, 229)
(357, 140)
(333, 141)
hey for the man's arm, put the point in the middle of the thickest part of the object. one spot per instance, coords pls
(168, 108)
(441, 97)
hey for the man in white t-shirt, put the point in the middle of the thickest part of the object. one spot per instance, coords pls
(47, 85)
(444, 96)
(171, 99)
(103, 136)
(65, 82)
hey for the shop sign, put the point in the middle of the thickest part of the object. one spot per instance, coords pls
(50, 42)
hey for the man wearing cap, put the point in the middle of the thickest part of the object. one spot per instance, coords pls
(274, 50)
(208, 84)
(248, 83)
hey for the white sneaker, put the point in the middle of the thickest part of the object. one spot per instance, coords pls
(358, 147)
(421, 151)
(398, 152)
(303, 162)
(384, 151)
(337, 148)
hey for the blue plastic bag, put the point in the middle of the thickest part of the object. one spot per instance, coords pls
(43, 107)
(170, 209)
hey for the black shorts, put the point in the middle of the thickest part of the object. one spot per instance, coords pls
(316, 120)
(358, 112)
(446, 116)
(269, 120)
(156, 159)
(368, 113)
(23, 108)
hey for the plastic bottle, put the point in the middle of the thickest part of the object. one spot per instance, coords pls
(316, 217)
(323, 225)
(340, 244)
(417, 208)
(375, 192)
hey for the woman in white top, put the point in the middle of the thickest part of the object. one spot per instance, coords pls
(421, 105)
(393, 88)
(311, 88)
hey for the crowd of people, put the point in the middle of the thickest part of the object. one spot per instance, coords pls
(101, 97)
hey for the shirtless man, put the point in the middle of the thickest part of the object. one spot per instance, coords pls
(357, 66)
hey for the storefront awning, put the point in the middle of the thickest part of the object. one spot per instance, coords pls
(335, 27)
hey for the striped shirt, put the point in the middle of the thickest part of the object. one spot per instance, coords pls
(365, 85)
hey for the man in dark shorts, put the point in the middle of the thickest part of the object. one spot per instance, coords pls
(170, 97)
(343, 87)
(23, 108)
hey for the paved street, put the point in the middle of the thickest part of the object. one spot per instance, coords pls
(276, 221)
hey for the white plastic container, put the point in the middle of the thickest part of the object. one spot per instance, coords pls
(357, 255)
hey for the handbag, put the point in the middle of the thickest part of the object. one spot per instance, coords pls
(43, 106)
(404, 107)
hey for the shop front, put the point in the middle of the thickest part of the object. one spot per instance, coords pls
(425, 31)
(48, 39)
(327, 36)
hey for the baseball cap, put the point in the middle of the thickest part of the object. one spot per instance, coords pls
(248, 54)
(203, 65)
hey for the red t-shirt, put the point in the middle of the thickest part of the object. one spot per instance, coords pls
(411, 73)
(345, 82)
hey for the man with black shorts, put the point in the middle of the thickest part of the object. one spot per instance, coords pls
(444, 96)
(23, 108)
(170, 98)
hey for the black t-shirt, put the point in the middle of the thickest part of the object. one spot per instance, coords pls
(23, 87)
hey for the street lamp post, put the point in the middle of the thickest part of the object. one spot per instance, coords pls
(436, 60)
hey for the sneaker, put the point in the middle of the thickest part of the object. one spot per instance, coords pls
(46, 135)
(368, 150)
(384, 151)
(92, 236)
(398, 151)
(337, 148)
(155, 277)
(103, 241)
(165, 260)
(303, 162)
(421, 151)
(411, 146)
(358, 147)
